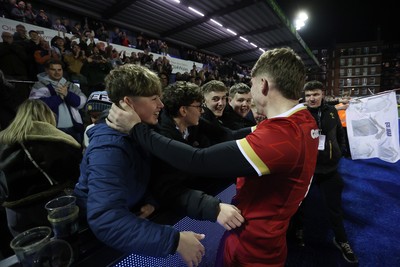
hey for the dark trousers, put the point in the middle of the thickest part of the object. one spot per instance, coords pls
(331, 187)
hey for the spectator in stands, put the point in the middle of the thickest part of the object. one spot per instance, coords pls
(30, 14)
(102, 33)
(166, 67)
(112, 189)
(75, 61)
(163, 48)
(21, 36)
(63, 97)
(215, 97)
(140, 42)
(133, 58)
(164, 79)
(77, 30)
(115, 36)
(59, 46)
(39, 162)
(97, 102)
(65, 23)
(13, 63)
(18, 11)
(235, 115)
(275, 162)
(43, 55)
(95, 69)
(43, 20)
(154, 48)
(8, 6)
(179, 120)
(58, 26)
(33, 45)
(124, 39)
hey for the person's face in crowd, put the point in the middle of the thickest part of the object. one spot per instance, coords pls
(193, 113)
(164, 81)
(60, 42)
(34, 36)
(21, 4)
(77, 49)
(55, 72)
(147, 107)
(314, 98)
(7, 37)
(21, 30)
(241, 103)
(216, 102)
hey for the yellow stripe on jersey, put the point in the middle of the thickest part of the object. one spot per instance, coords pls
(252, 157)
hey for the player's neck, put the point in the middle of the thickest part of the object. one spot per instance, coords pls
(279, 106)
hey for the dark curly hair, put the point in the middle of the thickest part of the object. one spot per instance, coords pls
(180, 94)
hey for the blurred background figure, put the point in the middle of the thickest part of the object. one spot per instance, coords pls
(38, 161)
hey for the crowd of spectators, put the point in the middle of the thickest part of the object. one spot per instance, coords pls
(106, 56)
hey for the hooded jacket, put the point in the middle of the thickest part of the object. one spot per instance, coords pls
(115, 173)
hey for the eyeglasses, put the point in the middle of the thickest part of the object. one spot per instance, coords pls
(199, 107)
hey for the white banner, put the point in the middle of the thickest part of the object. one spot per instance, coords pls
(373, 127)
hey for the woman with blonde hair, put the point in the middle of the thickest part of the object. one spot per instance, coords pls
(38, 162)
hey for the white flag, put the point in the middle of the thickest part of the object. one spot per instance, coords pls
(373, 127)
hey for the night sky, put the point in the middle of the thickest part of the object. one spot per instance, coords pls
(340, 21)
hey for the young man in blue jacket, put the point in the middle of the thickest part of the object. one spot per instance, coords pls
(115, 172)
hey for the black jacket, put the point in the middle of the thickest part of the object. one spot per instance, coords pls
(171, 187)
(234, 121)
(56, 153)
(328, 121)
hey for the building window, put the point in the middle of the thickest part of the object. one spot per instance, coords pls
(373, 70)
(372, 80)
(348, 82)
(349, 62)
(350, 72)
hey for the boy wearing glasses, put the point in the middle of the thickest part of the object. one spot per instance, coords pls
(179, 120)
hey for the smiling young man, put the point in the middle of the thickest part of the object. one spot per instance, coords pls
(112, 190)
(215, 96)
(64, 98)
(236, 114)
(274, 164)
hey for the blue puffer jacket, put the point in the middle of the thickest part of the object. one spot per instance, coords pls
(114, 176)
